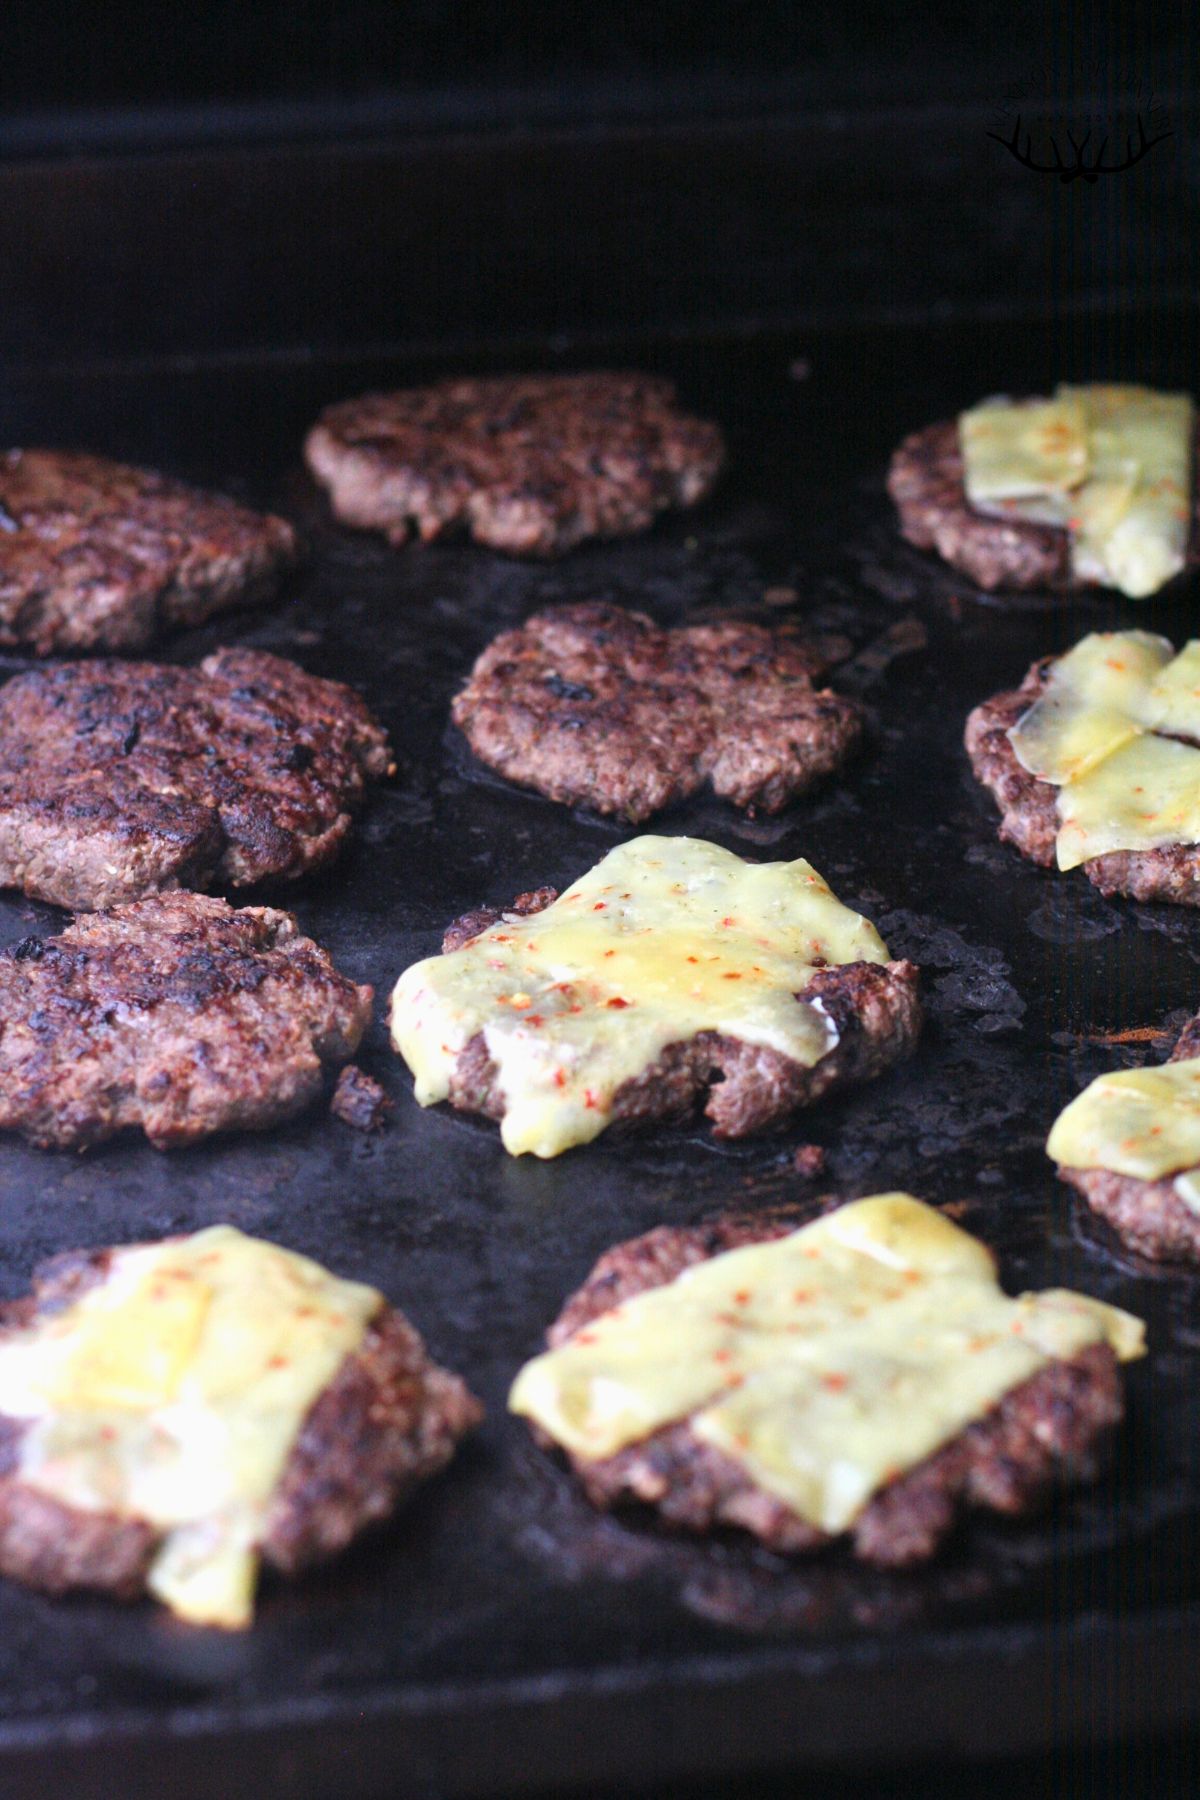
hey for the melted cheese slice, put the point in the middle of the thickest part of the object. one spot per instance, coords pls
(1139, 1122)
(1023, 450)
(664, 938)
(1145, 796)
(826, 1363)
(1110, 463)
(1134, 517)
(1094, 734)
(174, 1391)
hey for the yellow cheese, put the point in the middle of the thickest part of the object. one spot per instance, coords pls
(1133, 521)
(1173, 703)
(174, 1391)
(1024, 450)
(664, 938)
(1112, 463)
(826, 1363)
(1094, 701)
(1139, 1122)
(1094, 734)
(1142, 797)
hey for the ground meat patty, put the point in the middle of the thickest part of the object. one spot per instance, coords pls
(595, 706)
(1029, 808)
(177, 1014)
(926, 483)
(120, 779)
(530, 464)
(95, 555)
(388, 1419)
(1148, 1215)
(1047, 1433)
(744, 1088)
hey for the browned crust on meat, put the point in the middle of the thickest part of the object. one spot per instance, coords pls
(1149, 1216)
(389, 1419)
(359, 1101)
(528, 464)
(482, 918)
(177, 1014)
(925, 481)
(745, 1088)
(1048, 1433)
(594, 705)
(121, 779)
(1029, 807)
(95, 555)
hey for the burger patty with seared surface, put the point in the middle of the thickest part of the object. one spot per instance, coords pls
(120, 779)
(595, 706)
(95, 555)
(176, 1014)
(528, 464)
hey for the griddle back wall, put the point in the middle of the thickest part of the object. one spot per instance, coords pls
(589, 190)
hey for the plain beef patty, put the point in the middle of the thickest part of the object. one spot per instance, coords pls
(120, 779)
(95, 555)
(177, 1014)
(1029, 807)
(745, 1088)
(389, 1419)
(926, 483)
(1148, 1215)
(530, 464)
(595, 706)
(1047, 1433)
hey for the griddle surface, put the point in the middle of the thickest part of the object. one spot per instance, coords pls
(502, 1632)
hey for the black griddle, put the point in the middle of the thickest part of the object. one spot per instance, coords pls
(503, 1635)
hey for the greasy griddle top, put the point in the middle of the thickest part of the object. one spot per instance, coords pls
(502, 1630)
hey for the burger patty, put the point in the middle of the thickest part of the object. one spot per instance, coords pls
(745, 1088)
(177, 1014)
(1048, 1433)
(925, 481)
(1148, 1215)
(595, 706)
(388, 1419)
(120, 779)
(1029, 807)
(95, 555)
(529, 464)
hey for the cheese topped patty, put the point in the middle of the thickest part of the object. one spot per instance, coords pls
(663, 939)
(1106, 732)
(826, 1363)
(1139, 1122)
(173, 1391)
(1109, 463)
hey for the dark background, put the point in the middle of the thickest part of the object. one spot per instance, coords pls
(190, 192)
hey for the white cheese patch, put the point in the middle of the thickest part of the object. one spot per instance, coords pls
(664, 938)
(174, 1391)
(1139, 1122)
(826, 1363)
(1112, 463)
